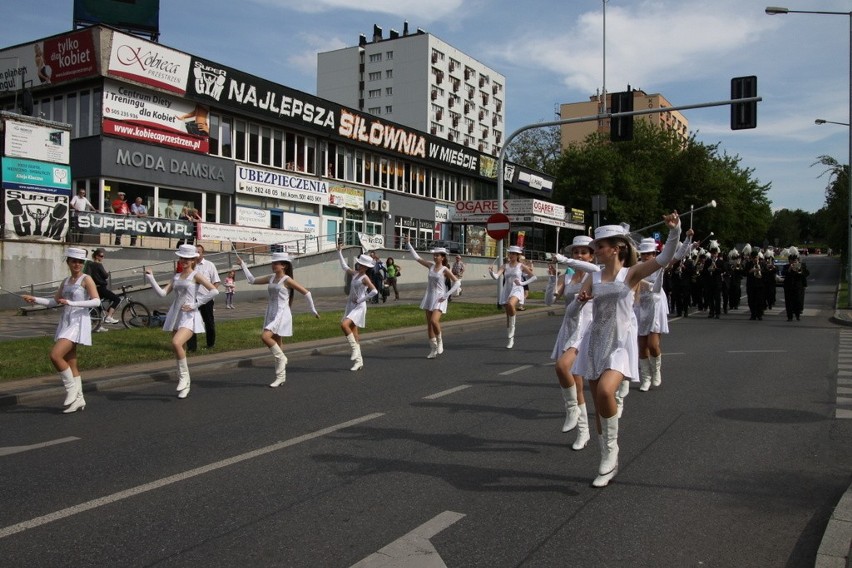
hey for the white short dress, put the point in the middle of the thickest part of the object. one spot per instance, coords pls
(510, 274)
(279, 318)
(186, 292)
(357, 312)
(574, 323)
(75, 324)
(436, 288)
(653, 312)
(611, 341)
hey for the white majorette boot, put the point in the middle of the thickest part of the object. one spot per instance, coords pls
(511, 333)
(183, 378)
(433, 344)
(572, 411)
(67, 378)
(440, 345)
(280, 366)
(79, 403)
(353, 345)
(582, 429)
(609, 452)
(656, 363)
(620, 394)
(644, 374)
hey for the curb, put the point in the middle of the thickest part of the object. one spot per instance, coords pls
(164, 371)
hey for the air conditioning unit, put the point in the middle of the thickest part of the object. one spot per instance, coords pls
(374, 205)
(384, 205)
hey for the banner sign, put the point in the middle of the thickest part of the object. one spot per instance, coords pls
(93, 222)
(36, 176)
(222, 86)
(24, 139)
(371, 242)
(55, 60)
(253, 217)
(279, 185)
(479, 211)
(148, 63)
(140, 114)
(346, 197)
(290, 241)
(35, 215)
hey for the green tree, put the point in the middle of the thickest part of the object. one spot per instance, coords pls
(538, 148)
(832, 217)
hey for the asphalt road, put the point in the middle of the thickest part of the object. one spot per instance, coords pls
(735, 461)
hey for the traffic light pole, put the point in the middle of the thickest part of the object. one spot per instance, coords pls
(502, 155)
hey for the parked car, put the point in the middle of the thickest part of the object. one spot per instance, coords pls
(453, 247)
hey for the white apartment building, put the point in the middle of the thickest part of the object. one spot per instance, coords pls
(417, 80)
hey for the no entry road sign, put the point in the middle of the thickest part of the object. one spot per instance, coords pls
(497, 226)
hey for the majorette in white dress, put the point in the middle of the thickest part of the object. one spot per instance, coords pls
(75, 324)
(186, 292)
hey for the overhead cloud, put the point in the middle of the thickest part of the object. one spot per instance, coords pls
(404, 9)
(647, 43)
(305, 61)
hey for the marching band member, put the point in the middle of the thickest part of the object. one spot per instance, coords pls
(513, 272)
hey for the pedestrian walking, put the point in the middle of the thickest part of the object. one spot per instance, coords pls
(795, 281)
(208, 270)
(437, 296)
(512, 296)
(355, 313)
(278, 322)
(610, 346)
(192, 290)
(77, 295)
(575, 323)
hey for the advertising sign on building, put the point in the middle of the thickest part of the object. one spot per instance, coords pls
(49, 62)
(35, 215)
(25, 139)
(279, 185)
(36, 176)
(139, 114)
(148, 63)
(290, 241)
(346, 197)
(253, 217)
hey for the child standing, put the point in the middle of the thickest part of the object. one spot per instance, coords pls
(230, 288)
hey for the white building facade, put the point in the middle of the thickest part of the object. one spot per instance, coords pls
(419, 81)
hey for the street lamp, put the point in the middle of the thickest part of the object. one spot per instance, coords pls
(776, 10)
(823, 121)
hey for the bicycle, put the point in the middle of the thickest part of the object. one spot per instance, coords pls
(133, 313)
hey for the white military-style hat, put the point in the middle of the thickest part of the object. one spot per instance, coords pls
(439, 250)
(611, 232)
(73, 252)
(515, 249)
(366, 260)
(647, 245)
(186, 251)
(579, 241)
(281, 257)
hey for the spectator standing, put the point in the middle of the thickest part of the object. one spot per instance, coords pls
(120, 207)
(100, 275)
(394, 272)
(230, 289)
(208, 270)
(138, 209)
(378, 274)
(77, 294)
(79, 204)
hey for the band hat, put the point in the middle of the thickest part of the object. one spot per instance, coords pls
(366, 260)
(611, 232)
(647, 245)
(281, 257)
(187, 251)
(121, 193)
(439, 250)
(514, 249)
(78, 253)
(793, 253)
(579, 241)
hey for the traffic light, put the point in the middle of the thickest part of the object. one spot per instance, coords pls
(743, 115)
(621, 129)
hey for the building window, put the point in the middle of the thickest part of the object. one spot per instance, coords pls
(389, 74)
(389, 109)
(376, 76)
(389, 55)
(375, 93)
(375, 110)
(375, 58)
(388, 91)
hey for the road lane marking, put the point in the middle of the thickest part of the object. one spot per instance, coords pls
(145, 487)
(413, 549)
(9, 450)
(761, 351)
(446, 392)
(516, 370)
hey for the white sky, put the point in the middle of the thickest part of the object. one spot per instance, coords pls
(550, 52)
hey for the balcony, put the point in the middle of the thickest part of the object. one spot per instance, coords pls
(434, 95)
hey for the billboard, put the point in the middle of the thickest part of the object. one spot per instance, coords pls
(26, 139)
(142, 15)
(139, 114)
(54, 60)
(148, 63)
